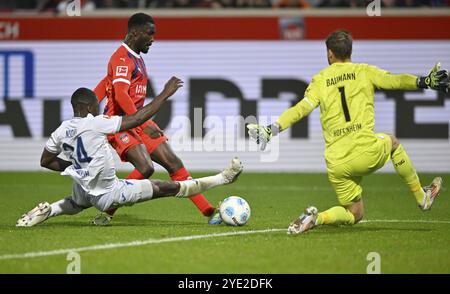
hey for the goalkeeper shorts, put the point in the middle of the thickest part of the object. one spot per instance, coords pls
(346, 177)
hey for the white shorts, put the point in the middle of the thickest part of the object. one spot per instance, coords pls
(126, 192)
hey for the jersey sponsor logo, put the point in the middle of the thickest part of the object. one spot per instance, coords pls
(141, 89)
(344, 77)
(350, 129)
(122, 71)
(124, 138)
(123, 59)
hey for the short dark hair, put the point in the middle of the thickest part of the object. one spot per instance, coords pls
(340, 43)
(139, 19)
(83, 96)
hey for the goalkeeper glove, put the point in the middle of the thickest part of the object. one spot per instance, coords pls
(262, 135)
(435, 80)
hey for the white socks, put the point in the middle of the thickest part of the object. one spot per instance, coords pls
(64, 206)
(196, 186)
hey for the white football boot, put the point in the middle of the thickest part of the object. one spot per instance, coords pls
(35, 216)
(306, 221)
(430, 193)
(231, 173)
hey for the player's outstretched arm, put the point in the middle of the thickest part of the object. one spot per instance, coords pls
(437, 79)
(146, 112)
(100, 89)
(51, 161)
(262, 134)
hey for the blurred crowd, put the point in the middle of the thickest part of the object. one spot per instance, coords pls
(89, 5)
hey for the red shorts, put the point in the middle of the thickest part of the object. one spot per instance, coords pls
(123, 141)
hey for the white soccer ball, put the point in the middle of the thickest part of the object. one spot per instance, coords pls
(234, 211)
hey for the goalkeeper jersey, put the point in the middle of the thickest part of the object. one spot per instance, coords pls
(345, 93)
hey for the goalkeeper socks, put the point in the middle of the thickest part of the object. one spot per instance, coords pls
(199, 200)
(405, 169)
(196, 186)
(337, 215)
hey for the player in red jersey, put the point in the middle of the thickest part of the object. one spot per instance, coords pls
(125, 87)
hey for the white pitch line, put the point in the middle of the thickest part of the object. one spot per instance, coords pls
(406, 221)
(132, 244)
(184, 238)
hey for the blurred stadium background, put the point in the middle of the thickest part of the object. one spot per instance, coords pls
(252, 61)
(237, 58)
(90, 5)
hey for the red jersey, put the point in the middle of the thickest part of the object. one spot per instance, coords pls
(127, 67)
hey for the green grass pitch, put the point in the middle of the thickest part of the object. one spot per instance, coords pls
(408, 240)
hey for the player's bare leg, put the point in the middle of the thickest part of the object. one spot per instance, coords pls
(164, 156)
(140, 159)
(357, 209)
(227, 176)
(404, 167)
(187, 188)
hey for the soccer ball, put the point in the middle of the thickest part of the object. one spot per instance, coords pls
(234, 211)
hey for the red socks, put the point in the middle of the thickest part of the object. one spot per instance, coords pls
(135, 175)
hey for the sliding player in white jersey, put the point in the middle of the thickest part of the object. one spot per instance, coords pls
(82, 141)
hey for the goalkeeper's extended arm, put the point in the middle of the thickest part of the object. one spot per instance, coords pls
(436, 80)
(262, 134)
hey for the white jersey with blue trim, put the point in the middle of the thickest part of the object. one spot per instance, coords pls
(83, 142)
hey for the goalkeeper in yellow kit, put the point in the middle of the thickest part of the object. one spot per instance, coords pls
(344, 91)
